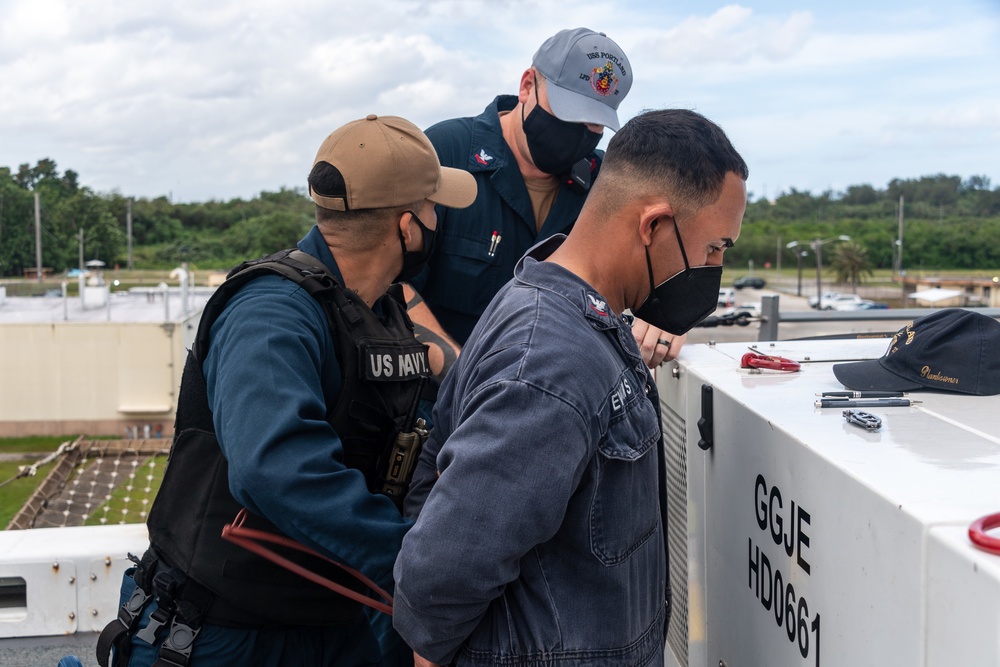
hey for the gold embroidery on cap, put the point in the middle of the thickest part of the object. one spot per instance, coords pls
(926, 373)
(908, 330)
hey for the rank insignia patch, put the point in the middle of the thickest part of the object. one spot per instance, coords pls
(483, 158)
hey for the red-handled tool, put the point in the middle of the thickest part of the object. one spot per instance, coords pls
(754, 360)
(977, 533)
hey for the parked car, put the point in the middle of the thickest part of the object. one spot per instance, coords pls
(727, 297)
(841, 302)
(861, 304)
(755, 282)
(747, 307)
(814, 302)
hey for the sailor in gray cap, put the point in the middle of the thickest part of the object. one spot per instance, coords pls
(534, 159)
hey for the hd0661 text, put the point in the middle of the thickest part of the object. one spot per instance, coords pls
(787, 529)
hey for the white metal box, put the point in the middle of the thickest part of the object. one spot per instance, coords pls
(799, 539)
(59, 581)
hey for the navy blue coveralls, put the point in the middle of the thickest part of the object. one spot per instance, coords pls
(464, 275)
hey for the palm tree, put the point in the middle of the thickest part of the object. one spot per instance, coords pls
(850, 261)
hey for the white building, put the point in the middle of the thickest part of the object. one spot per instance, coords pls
(107, 364)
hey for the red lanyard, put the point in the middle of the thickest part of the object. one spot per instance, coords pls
(253, 540)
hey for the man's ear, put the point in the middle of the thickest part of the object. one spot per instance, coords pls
(406, 225)
(649, 220)
(524, 91)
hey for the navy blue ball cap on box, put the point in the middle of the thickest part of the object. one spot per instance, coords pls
(950, 350)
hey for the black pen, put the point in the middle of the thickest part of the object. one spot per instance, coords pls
(874, 403)
(861, 394)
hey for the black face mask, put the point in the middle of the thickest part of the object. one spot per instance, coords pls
(682, 301)
(414, 262)
(556, 145)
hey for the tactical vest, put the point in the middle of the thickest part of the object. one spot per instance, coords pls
(381, 367)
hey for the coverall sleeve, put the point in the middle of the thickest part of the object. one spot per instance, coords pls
(270, 369)
(507, 473)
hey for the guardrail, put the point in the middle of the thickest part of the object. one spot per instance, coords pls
(771, 316)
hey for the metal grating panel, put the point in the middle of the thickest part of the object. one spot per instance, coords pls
(674, 430)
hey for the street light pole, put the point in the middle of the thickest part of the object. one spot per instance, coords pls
(799, 254)
(818, 247)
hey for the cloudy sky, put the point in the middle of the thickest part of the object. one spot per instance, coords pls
(199, 101)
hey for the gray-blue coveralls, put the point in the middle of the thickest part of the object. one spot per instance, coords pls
(542, 541)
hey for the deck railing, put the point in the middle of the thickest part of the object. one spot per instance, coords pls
(771, 316)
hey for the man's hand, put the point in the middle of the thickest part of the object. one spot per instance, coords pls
(656, 345)
(423, 662)
(443, 351)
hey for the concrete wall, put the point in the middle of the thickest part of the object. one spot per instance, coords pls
(93, 378)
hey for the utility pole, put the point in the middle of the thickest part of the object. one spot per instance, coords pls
(38, 238)
(128, 230)
(900, 238)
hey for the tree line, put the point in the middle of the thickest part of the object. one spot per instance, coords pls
(949, 223)
(209, 235)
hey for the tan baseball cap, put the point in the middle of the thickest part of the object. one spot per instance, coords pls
(387, 161)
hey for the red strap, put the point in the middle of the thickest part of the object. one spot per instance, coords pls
(251, 539)
(977, 533)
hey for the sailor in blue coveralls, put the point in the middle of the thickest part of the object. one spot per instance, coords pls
(540, 496)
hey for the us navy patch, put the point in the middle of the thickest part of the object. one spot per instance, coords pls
(391, 363)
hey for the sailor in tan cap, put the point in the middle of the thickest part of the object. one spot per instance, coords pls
(303, 373)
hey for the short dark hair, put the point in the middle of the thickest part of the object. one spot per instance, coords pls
(675, 147)
(360, 229)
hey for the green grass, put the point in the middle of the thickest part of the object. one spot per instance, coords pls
(41, 444)
(16, 493)
(879, 276)
(33, 443)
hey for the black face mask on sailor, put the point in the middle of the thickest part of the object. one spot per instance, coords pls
(556, 145)
(680, 302)
(414, 262)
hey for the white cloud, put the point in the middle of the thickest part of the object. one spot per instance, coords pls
(227, 99)
(730, 36)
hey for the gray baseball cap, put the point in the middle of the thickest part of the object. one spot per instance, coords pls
(588, 76)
